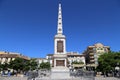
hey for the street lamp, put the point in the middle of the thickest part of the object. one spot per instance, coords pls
(117, 69)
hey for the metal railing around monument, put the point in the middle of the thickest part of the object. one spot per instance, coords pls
(82, 75)
(39, 74)
(74, 75)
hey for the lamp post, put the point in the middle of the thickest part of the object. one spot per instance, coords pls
(117, 69)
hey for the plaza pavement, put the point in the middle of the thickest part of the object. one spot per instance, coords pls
(13, 78)
(106, 78)
(25, 78)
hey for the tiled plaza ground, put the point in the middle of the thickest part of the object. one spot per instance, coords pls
(13, 78)
(25, 78)
(106, 78)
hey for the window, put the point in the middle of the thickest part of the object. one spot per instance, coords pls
(101, 48)
(97, 48)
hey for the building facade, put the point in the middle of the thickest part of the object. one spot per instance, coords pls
(6, 57)
(76, 60)
(92, 53)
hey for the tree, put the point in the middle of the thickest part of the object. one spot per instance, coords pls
(45, 65)
(33, 64)
(21, 65)
(108, 61)
(27, 66)
(4, 66)
(117, 57)
(0, 66)
(18, 64)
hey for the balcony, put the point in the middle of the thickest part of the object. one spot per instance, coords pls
(92, 60)
(91, 53)
(78, 65)
(91, 56)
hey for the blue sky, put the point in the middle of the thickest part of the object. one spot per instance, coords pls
(29, 26)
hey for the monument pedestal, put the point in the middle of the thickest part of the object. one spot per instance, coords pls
(59, 60)
(60, 72)
(60, 69)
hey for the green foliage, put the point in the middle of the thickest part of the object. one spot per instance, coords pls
(0, 66)
(33, 64)
(45, 65)
(108, 61)
(4, 66)
(18, 64)
(76, 62)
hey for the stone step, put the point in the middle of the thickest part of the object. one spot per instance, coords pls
(60, 69)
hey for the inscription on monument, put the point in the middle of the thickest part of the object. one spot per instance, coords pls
(60, 62)
(59, 46)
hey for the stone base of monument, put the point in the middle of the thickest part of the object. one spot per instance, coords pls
(60, 69)
(60, 73)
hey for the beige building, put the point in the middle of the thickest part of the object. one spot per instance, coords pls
(92, 54)
(76, 57)
(6, 57)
